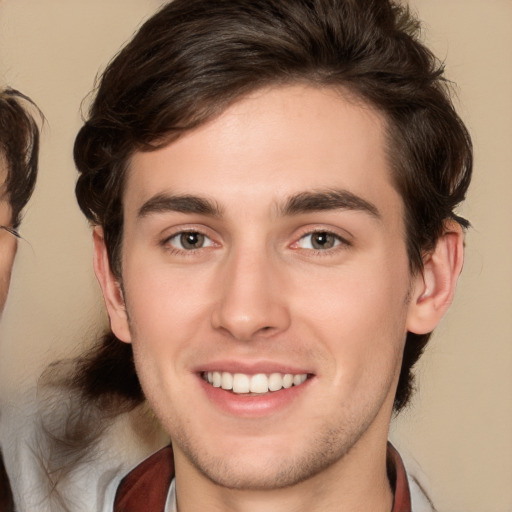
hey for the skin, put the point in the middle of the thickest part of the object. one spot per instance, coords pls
(8, 243)
(257, 294)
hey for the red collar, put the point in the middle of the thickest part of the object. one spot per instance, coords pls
(146, 487)
(398, 480)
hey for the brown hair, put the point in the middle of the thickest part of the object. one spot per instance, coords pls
(19, 149)
(193, 58)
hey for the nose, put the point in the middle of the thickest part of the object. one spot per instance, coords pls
(252, 300)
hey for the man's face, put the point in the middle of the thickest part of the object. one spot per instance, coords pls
(264, 247)
(8, 242)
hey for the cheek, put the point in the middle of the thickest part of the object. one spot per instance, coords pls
(357, 297)
(360, 314)
(165, 307)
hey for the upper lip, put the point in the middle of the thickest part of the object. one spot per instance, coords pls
(252, 367)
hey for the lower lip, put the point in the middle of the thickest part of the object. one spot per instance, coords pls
(252, 406)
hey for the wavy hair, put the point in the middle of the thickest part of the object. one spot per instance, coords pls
(19, 148)
(194, 58)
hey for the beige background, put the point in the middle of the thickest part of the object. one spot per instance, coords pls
(459, 428)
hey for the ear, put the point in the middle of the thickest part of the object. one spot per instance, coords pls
(111, 288)
(434, 287)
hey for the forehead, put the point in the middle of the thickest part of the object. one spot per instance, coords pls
(274, 143)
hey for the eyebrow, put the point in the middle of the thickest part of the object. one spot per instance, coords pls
(162, 203)
(331, 199)
(303, 202)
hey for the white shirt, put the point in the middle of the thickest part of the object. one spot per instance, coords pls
(419, 502)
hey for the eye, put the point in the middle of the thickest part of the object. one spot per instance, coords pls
(189, 240)
(319, 241)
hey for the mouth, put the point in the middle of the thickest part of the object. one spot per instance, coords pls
(257, 384)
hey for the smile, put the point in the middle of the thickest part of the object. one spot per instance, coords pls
(241, 383)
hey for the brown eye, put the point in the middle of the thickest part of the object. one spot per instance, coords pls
(323, 240)
(189, 241)
(320, 241)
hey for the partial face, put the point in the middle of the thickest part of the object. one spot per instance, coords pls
(8, 243)
(266, 284)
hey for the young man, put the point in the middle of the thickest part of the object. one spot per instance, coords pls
(19, 144)
(272, 185)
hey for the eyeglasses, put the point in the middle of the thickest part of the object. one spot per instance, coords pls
(11, 230)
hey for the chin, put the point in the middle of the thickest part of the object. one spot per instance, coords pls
(271, 475)
(268, 467)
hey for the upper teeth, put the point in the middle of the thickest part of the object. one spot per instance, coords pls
(259, 383)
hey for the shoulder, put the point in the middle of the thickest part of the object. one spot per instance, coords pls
(418, 486)
(419, 498)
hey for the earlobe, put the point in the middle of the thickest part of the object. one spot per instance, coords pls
(111, 288)
(434, 287)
